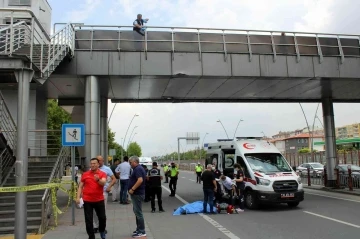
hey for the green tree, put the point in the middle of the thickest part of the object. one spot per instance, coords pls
(56, 116)
(134, 149)
(112, 144)
(304, 151)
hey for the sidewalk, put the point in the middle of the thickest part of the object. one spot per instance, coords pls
(120, 224)
(355, 192)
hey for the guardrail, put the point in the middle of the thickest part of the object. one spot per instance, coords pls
(350, 157)
(30, 38)
(56, 173)
(180, 39)
(7, 140)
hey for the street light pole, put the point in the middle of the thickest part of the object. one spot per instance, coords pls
(307, 123)
(131, 135)
(219, 121)
(135, 115)
(202, 145)
(127, 147)
(237, 128)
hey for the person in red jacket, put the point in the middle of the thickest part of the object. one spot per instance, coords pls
(91, 188)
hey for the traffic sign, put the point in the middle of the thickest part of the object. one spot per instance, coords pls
(73, 135)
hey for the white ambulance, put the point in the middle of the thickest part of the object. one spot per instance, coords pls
(268, 176)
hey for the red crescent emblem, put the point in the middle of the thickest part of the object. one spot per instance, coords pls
(248, 146)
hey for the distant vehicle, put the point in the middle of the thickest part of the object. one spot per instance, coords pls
(146, 161)
(343, 169)
(268, 176)
(316, 169)
(344, 174)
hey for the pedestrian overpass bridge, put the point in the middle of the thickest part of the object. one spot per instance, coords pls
(83, 66)
(209, 65)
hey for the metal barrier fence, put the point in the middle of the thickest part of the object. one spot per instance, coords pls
(351, 157)
(202, 40)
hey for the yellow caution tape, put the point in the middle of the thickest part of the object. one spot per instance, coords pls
(54, 186)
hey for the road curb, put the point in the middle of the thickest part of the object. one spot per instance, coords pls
(333, 190)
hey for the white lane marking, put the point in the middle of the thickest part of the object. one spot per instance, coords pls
(182, 177)
(332, 219)
(321, 195)
(225, 231)
(192, 180)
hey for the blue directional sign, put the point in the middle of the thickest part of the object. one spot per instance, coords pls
(206, 145)
(73, 134)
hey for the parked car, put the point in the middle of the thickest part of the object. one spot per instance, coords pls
(316, 169)
(344, 174)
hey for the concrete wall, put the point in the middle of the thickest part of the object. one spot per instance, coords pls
(37, 119)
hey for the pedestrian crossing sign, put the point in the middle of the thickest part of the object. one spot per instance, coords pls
(73, 135)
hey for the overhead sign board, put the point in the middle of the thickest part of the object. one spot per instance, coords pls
(192, 137)
(73, 135)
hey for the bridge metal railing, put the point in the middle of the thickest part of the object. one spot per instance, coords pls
(28, 37)
(202, 40)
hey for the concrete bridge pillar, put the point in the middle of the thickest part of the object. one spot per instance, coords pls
(104, 128)
(92, 119)
(330, 140)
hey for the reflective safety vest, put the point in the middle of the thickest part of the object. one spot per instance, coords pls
(173, 172)
(166, 168)
(198, 169)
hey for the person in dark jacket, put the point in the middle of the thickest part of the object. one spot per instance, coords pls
(147, 185)
(139, 25)
(154, 177)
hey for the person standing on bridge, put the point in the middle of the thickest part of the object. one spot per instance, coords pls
(91, 188)
(139, 25)
(198, 171)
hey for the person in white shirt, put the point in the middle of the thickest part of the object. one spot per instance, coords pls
(228, 184)
(123, 171)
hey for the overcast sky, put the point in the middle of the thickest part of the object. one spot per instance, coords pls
(159, 125)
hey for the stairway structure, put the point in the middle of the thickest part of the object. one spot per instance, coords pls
(41, 52)
(28, 42)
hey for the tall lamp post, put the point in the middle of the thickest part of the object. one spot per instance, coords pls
(127, 147)
(237, 128)
(135, 115)
(131, 136)
(219, 121)
(202, 145)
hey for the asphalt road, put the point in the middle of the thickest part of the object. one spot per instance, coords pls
(322, 215)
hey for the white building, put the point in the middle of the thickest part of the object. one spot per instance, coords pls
(40, 8)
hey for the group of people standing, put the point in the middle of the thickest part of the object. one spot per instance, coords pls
(96, 183)
(212, 178)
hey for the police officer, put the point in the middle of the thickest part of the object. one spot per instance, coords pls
(240, 186)
(174, 172)
(154, 177)
(198, 171)
(166, 168)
